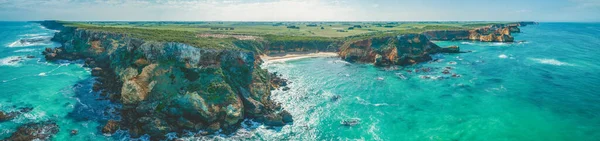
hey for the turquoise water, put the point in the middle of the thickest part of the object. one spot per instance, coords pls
(543, 89)
(56, 91)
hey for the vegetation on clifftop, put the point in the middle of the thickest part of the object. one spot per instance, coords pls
(253, 36)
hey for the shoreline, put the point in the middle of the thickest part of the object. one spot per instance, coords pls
(294, 56)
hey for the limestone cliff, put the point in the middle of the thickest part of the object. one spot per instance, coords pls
(493, 33)
(167, 86)
(404, 49)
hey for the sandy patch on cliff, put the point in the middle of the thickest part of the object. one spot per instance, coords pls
(294, 56)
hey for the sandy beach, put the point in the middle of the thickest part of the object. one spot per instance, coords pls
(294, 56)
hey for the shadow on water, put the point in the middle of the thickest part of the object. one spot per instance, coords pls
(90, 105)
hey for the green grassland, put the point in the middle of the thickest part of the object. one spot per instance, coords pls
(187, 32)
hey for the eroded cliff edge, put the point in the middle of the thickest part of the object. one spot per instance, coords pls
(491, 33)
(175, 87)
(172, 87)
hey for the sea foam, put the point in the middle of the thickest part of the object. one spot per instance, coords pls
(551, 62)
(24, 50)
(467, 43)
(503, 56)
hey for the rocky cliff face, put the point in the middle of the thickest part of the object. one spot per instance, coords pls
(403, 49)
(168, 87)
(494, 33)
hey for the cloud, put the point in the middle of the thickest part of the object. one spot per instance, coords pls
(229, 10)
(587, 3)
(294, 10)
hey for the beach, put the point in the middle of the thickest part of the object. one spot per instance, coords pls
(294, 56)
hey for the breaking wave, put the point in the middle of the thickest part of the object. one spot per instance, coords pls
(551, 62)
(24, 50)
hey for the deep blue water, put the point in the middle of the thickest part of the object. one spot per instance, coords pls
(546, 88)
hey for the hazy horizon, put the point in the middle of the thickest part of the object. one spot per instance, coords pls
(298, 10)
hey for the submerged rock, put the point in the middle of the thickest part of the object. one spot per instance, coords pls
(35, 131)
(350, 122)
(110, 127)
(7, 116)
(97, 71)
(335, 98)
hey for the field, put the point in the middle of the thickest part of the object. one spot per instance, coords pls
(224, 34)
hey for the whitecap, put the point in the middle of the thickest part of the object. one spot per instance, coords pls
(42, 74)
(467, 43)
(499, 44)
(24, 50)
(550, 62)
(34, 115)
(380, 104)
(502, 56)
(35, 35)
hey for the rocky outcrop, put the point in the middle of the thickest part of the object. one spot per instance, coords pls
(525, 23)
(405, 49)
(110, 127)
(277, 81)
(171, 87)
(35, 131)
(494, 33)
(6, 116)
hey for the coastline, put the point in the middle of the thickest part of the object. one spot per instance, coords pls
(226, 66)
(295, 56)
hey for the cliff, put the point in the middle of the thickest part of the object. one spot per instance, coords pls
(492, 33)
(168, 86)
(403, 49)
(279, 45)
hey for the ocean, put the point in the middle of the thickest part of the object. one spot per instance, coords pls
(543, 88)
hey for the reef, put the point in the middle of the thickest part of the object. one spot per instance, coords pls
(7, 116)
(35, 131)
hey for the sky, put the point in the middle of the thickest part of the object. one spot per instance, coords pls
(302, 10)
